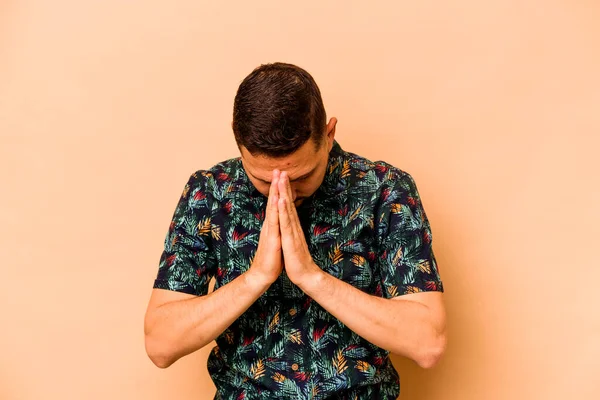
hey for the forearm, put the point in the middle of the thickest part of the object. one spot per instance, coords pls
(178, 328)
(402, 327)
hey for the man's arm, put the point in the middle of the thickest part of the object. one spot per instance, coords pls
(411, 325)
(177, 324)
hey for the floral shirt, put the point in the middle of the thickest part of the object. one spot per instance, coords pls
(364, 225)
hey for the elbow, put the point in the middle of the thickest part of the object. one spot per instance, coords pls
(160, 361)
(432, 352)
(157, 353)
(156, 346)
(164, 352)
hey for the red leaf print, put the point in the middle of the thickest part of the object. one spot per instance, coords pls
(411, 201)
(199, 195)
(238, 236)
(171, 259)
(222, 176)
(381, 168)
(371, 256)
(318, 333)
(426, 237)
(319, 230)
(241, 396)
(227, 207)
(431, 285)
(344, 211)
(386, 193)
(306, 303)
(301, 376)
(377, 360)
(248, 340)
(199, 272)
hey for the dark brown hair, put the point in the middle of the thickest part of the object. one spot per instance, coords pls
(277, 108)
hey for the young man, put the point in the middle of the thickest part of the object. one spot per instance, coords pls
(322, 259)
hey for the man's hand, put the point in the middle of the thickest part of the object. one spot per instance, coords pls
(267, 264)
(299, 264)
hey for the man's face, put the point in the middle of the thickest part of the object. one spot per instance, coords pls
(305, 167)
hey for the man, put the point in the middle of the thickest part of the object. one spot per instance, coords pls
(322, 259)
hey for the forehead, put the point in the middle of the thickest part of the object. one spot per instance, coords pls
(301, 161)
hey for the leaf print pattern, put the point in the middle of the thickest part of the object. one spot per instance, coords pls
(339, 362)
(365, 225)
(257, 370)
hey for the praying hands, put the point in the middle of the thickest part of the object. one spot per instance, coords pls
(282, 238)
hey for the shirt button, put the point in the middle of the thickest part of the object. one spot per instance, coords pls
(292, 312)
(295, 367)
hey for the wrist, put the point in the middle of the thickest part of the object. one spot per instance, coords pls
(257, 281)
(313, 281)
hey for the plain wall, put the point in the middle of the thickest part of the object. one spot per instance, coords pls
(107, 107)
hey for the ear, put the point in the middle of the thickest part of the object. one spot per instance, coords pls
(331, 132)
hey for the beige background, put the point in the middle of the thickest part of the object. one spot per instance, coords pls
(106, 107)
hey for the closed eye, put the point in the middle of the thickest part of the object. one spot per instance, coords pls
(300, 179)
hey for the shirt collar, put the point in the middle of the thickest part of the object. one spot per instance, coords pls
(333, 182)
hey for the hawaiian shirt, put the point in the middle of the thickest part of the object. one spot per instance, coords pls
(364, 225)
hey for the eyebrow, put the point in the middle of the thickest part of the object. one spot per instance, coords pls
(291, 180)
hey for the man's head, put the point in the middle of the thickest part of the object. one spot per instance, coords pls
(279, 122)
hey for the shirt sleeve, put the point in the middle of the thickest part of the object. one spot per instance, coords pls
(188, 261)
(406, 258)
